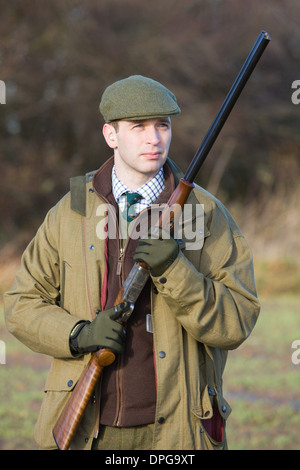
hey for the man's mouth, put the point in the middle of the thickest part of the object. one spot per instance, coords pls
(151, 155)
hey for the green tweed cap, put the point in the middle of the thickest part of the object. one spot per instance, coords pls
(136, 98)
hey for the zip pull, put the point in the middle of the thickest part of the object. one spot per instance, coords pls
(119, 266)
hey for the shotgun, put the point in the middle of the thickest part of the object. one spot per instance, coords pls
(69, 420)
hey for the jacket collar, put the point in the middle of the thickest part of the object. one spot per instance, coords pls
(100, 181)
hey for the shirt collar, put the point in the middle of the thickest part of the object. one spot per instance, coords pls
(149, 191)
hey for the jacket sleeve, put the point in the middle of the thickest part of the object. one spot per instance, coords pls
(215, 302)
(32, 310)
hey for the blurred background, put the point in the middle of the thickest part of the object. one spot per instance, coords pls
(56, 59)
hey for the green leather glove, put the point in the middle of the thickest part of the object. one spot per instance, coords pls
(157, 252)
(102, 332)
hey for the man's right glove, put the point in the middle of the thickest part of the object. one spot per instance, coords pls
(102, 332)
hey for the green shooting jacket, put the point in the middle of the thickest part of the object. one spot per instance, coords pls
(204, 305)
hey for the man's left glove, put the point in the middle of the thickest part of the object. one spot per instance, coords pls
(157, 252)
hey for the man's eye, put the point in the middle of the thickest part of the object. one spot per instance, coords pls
(164, 125)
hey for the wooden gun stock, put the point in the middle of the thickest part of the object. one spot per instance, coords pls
(69, 420)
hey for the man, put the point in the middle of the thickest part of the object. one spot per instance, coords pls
(164, 390)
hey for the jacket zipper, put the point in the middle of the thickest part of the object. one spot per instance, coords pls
(96, 398)
(120, 273)
(119, 381)
(119, 373)
(120, 262)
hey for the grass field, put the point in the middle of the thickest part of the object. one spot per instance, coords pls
(261, 384)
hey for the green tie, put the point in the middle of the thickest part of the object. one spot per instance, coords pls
(131, 199)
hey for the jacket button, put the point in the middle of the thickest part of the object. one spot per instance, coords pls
(224, 408)
(70, 383)
(161, 354)
(161, 420)
(91, 247)
(163, 280)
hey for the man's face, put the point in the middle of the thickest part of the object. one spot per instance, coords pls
(141, 147)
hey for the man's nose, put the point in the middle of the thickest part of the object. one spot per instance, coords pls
(153, 135)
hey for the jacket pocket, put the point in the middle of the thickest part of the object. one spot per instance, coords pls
(66, 278)
(211, 421)
(62, 379)
(63, 285)
(72, 290)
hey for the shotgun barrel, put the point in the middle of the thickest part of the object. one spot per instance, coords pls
(68, 422)
(229, 102)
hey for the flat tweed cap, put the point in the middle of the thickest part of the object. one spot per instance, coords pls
(136, 98)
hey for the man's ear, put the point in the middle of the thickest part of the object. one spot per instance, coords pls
(109, 134)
